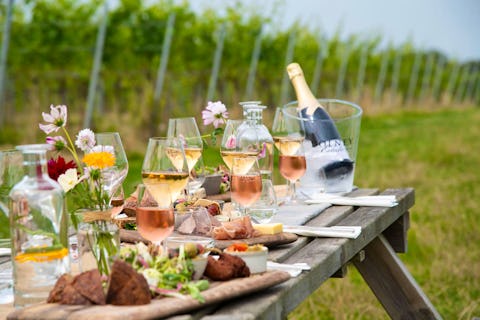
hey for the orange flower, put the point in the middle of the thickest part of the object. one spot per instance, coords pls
(99, 160)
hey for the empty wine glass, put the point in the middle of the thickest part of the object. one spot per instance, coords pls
(186, 130)
(246, 182)
(115, 175)
(155, 222)
(165, 163)
(11, 172)
(292, 164)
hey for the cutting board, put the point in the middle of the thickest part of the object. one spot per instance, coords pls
(158, 308)
(270, 241)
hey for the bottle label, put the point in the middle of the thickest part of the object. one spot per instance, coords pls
(334, 145)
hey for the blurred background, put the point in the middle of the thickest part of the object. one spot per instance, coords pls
(132, 64)
(413, 66)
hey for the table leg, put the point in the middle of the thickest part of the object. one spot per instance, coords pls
(392, 283)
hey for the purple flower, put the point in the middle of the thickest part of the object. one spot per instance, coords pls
(215, 113)
(262, 153)
(56, 119)
(85, 140)
(58, 142)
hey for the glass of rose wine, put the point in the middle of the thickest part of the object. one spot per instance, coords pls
(292, 164)
(246, 182)
(155, 220)
(186, 131)
(165, 163)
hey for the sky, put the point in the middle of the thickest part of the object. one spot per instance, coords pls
(450, 26)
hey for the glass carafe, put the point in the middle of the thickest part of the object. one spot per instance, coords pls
(38, 229)
(253, 117)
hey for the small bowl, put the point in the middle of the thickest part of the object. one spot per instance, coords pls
(255, 260)
(199, 265)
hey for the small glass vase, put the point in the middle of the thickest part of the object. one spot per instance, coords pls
(98, 241)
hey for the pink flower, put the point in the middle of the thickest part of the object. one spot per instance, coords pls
(58, 142)
(215, 113)
(262, 153)
(231, 142)
(85, 140)
(56, 119)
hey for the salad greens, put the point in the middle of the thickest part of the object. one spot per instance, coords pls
(165, 276)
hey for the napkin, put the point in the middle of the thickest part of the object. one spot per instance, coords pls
(297, 215)
(293, 269)
(5, 252)
(351, 232)
(369, 201)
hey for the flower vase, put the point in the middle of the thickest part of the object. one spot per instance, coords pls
(98, 241)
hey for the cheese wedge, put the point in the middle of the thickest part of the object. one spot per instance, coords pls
(269, 228)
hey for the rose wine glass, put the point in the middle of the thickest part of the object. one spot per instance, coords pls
(186, 131)
(246, 183)
(155, 221)
(292, 164)
(165, 163)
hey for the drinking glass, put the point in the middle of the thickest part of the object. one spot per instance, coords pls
(113, 176)
(228, 147)
(265, 208)
(292, 164)
(165, 163)
(11, 171)
(155, 222)
(186, 131)
(197, 176)
(246, 182)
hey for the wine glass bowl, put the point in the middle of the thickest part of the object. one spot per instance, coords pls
(186, 131)
(292, 163)
(155, 221)
(113, 176)
(246, 182)
(165, 163)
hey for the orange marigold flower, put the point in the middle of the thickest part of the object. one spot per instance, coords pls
(99, 160)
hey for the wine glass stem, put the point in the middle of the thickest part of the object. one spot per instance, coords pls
(292, 191)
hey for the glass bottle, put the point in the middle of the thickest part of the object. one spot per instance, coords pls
(38, 229)
(253, 117)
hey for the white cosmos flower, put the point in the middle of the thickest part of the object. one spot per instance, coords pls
(68, 180)
(215, 113)
(85, 140)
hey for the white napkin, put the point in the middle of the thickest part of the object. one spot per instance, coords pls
(5, 252)
(368, 201)
(297, 215)
(351, 232)
(293, 269)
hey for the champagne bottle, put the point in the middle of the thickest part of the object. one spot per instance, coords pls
(319, 127)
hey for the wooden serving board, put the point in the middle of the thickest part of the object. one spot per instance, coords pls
(132, 236)
(158, 308)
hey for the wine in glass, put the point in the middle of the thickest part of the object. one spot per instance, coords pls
(246, 182)
(113, 176)
(237, 144)
(186, 131)
(165, 163)
(292, 164)
(154, 222)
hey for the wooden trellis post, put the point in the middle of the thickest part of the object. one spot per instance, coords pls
(217, 59)
(381, 76)
(342, 72)
(412, 84)
(322, 54)
(438, 78)
(252, 71)
(288, 59)
(3, 59)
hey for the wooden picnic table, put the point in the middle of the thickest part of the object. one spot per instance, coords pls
(373, 253)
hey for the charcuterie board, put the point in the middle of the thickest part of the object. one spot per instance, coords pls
(270, 241)
(158, 308)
